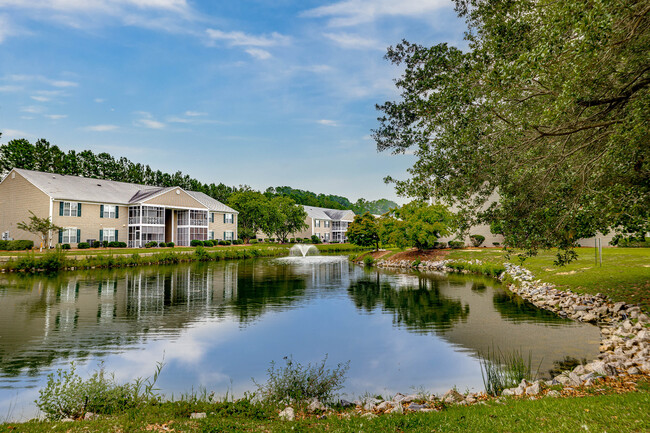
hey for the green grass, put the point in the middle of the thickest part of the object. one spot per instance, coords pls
(624, 275)
(615, 413)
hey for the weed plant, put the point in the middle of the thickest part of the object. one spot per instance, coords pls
(298, 384)
(501, 371)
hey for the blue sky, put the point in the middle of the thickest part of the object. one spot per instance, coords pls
(263, 93)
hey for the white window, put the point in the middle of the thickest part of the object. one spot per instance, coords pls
(327, 223)
(211, 235)
(228, 218)
(109, 211)
(70, 209)
(109, 235)
(317, 223)
(228, 236)
(69, 235)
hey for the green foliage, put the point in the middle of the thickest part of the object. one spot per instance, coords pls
(253, 209)
(65, 246)
(151, 244)
(296, 383)
(17, 245)
(364, 231)
(548, 107)
(500, 371)
(252, 241)
(83, 245)
(368, 261)
(477, 240)
(196, 243)
(169, 244)
(67, 395)
(115, 244)
(420, 225)
(162, 245)
(315, 240)
(39, 226)
(416, 263)
(456, 245)
(201, 254)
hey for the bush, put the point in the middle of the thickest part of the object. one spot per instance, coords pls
(237, 242)
(228, 242)
(501, 371)
(104, 244)
(151, 244)
(368, 261)
(456, 244)
(252, 241)
(416, 263)
(496, 244)
(315, 239)
(196, 243)
(440, 245)
(299, 384)
(222, 242)
(299, 240)
(292, 240)
(19, 245)
(65, 246)
(477, 240)
(170, 244)
(162, 245)
(83, 245)
(305, 240)
(97, 244)
(115, 244)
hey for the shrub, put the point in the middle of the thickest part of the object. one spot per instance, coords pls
(477, 240)
(96, 244)
(299, 240)
(440, 245)
(292, 240)
(19, 245)
(228, 242)
(501, 371)
(104, 244)
(315, 239)
(416, 263)
(162, 245)
(3, 245)
(151, 244)
(496, 244)
(83, 245)
(237, 242)
(296, 383)
(456, 244)
(368, 261)
(305, 240)
(222, 242)
(252, 241)
(201, 254)
(170, 244)
(196, 243)
(65, 246)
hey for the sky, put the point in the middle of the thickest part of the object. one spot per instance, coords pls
(262, 93)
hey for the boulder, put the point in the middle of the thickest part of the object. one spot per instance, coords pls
(397, 409)
(416, 407)
(288, 414)
(384, 406)
(633, 370)
(198, 415)
(553, 393)
(398, 397)
(534, 389)
(316, 406)
(453, 396)
(90, 416)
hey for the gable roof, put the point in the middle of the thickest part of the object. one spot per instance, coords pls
(77, 188)
(322, 213)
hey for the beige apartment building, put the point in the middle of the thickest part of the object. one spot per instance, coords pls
(330, 225)
(95, 209)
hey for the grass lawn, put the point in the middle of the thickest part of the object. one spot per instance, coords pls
(624, 275)
(613, 413)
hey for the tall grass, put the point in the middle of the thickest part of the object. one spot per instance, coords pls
(505, 370)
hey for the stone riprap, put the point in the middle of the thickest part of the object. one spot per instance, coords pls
(625, 328)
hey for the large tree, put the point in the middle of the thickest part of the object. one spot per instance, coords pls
(253, 207)
(291, 217)
(364, 231)
(548, 109)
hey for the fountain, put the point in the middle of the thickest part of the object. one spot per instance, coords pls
(303, 250)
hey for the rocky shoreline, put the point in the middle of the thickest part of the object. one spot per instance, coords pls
(624, 345)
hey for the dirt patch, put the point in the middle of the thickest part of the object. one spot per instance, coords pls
(412, 254)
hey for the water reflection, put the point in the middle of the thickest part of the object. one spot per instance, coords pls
(227, 320)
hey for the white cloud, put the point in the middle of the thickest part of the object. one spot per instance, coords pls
(357, 42)
(62, 83)
(146, 120)
(40, 98)
(327, 122)
(40, 79)
(96, 5)
(14, 133)
(5, 28)
(259, 53)
(236, 38)
(99, 100)
(10, 88)
(101, 128)
(195, 113)
(56, 116)
(34, 109)
(353, 12)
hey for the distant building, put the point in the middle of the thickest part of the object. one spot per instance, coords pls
(330, 225)
(105, 210)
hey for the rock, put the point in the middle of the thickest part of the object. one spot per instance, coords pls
(90, 416)
(645, 367)
(397, 409)
(345, 403)
(67, 420)
(470, 400)
(574, 379)
(633, 370)
(520, 390)
(534, 389)
(643, 335)
(398, 397)
(370, 404)
(601, 368)
(580, 370)
(369, 415)
(452, 396)
(618, 307)
(416, 407)
(384, 406)
(589, 318)
(316, 406)
(409, 398)
(553, 393)
(198, 415)
(509, 392)
(589, 382)
(288, 414)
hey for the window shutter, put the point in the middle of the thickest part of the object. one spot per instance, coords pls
(116, 236)
(117, 211)
(60, 208)
(78, 235)
(101, 235)
(60, 236)
(101, 211)
(224, 236)
(224, 218)
(78, 209)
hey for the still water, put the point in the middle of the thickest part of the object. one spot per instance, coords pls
(218, 325)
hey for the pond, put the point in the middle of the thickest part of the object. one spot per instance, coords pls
(217, 325)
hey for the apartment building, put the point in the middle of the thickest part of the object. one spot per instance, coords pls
(330, 225)
(104, 210)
